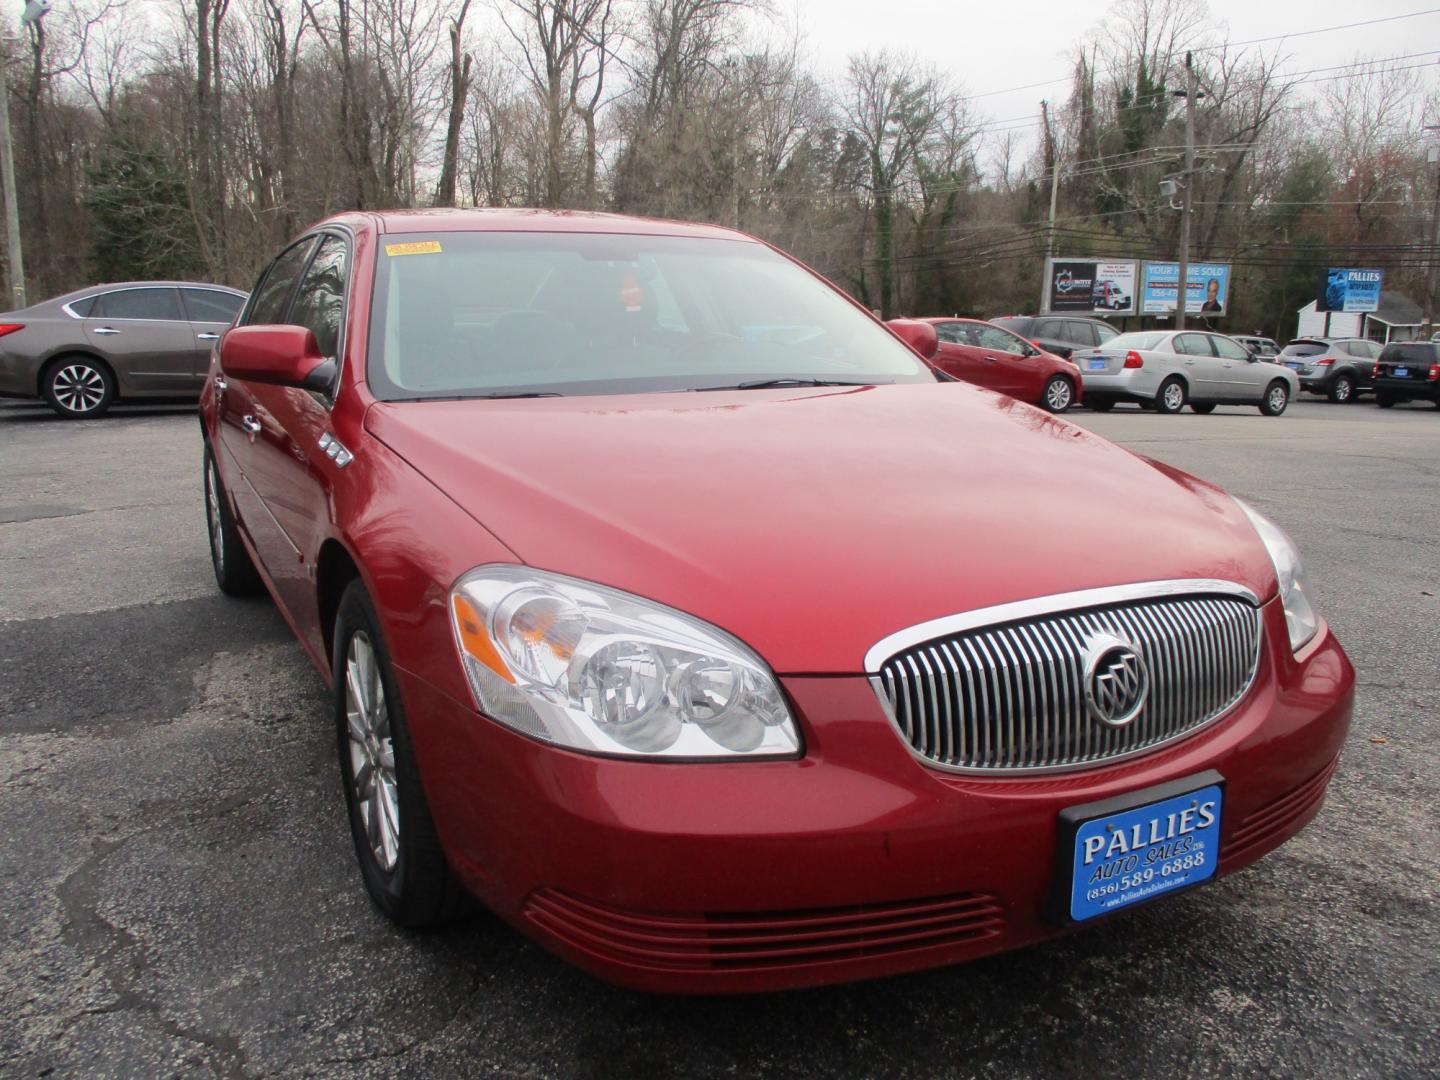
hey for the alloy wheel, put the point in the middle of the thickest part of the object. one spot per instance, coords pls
(1057, 395)
(79, 388)
(1343, 389)
(372, 751)
(212, 515)
(1174, 396)
(1277, 398)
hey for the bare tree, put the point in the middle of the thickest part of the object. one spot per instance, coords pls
(564, 50)
(891, 110)
(460, 63)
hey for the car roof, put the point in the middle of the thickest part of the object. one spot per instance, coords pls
(509, 219)
(115, 286)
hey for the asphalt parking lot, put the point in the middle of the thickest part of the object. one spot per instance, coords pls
(181, 897)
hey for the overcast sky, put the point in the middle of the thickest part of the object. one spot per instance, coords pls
(998, 44)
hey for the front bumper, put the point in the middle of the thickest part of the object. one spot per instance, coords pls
(851, 862)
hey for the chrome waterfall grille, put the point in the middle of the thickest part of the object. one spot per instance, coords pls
(1039, 687)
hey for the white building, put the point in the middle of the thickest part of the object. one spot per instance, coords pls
(1398, 319)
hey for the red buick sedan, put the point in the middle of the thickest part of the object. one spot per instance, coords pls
(674, 609)
(991, 356)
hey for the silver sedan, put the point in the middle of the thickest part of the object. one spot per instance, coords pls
(1166, 370)
(138, 339)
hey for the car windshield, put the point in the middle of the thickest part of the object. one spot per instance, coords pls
(1141, 339)
(497, 314)
(1304, 348)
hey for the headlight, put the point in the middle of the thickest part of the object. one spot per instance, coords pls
(598, 670)
(1300, 616)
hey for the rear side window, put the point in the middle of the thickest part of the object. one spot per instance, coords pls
(1081, 333)
(211, 305)
(272, 295)
(162, 303)
(82, 306)
(1193, 345)
(1106, 332)
(321, 301)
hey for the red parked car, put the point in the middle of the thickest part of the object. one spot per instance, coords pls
(991, 356)
(675, 610)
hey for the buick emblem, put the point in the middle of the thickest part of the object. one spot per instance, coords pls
(1116, 680)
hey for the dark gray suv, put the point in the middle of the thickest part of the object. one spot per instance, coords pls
(1059, 334)
(136, 339)
(1339, 368)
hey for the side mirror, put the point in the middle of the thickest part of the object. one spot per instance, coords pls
(920, 336)
(276, 356)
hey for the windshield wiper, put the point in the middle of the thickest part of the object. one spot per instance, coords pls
(476, 397)
(765, 384)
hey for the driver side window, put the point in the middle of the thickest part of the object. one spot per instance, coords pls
(1229, 350)
(992, 337)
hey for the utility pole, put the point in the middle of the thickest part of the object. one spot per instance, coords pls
(1054, 198)
(1431, 277)
(1182, 285)
(35, 10)
(15, 260)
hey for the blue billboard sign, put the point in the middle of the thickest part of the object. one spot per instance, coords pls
(1207, 288)
(1350, 289)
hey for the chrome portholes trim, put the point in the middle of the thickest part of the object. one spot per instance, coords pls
(889, 645)
(335, 450)
(1077, 681)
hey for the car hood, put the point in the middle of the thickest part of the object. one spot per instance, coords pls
(812, 523)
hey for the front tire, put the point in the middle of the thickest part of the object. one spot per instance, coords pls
(1170, 398)
(1277, 397)
(401, 861)
(78, 387)
(235, 573)
(1058, 395)
(1342, 390)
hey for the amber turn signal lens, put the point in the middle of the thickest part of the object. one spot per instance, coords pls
(474, 640)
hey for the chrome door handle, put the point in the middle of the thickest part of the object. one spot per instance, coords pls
(250, 424)
(991, 359)
(106, 330)
(1189, 361)
(220, 384)
(207, 337)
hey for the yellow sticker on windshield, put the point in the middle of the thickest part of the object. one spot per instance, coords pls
(418, 247)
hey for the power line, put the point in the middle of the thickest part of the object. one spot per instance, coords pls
(1229, 45)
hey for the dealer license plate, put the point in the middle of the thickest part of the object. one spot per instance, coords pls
(1401, 373)
(1097, 365)
(1140, 846)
